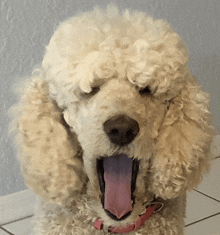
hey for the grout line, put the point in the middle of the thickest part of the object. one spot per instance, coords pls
(17, 205)
(206, 195)
(6, 231)
(16, 220)
(202, 219)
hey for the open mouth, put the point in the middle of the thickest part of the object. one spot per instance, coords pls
(117, 180)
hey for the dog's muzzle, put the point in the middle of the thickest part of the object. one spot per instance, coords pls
(117, 179)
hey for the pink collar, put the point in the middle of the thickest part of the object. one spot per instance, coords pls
(150, 210)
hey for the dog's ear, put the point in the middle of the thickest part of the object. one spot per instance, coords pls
(49, 153)
(182, 152)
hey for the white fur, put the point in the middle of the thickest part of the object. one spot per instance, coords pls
(60, 125)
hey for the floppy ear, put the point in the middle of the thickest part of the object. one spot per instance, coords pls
(49, 153)
(182, 152)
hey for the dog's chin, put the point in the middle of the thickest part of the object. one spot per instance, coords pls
(115, 180)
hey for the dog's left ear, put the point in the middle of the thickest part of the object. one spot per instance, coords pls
(49, 153)
(182, 148)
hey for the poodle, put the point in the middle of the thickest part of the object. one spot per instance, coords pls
(113, 128)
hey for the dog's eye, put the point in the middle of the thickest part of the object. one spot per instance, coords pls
(95, 90)
(85, 95)
(145, 91)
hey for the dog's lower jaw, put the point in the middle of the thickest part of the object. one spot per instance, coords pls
(173, 210)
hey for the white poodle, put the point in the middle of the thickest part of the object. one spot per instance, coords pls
(113, 129)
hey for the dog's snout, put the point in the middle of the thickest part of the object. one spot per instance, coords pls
(121, 129)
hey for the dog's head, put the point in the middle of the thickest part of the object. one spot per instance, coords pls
(118, 88)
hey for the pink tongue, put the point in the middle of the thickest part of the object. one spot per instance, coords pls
(117, 176)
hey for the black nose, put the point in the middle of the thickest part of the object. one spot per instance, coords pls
(121, 129)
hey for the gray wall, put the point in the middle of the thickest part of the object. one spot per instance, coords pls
(27, 25)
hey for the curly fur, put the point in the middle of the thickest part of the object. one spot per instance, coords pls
(60, 119)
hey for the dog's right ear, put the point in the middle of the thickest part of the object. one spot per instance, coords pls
(49, 153)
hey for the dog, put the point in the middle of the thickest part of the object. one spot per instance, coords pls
(113, 129)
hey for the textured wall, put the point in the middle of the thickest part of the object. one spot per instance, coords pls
(27, 26)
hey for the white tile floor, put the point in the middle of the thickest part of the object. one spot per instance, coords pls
(203, 209)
